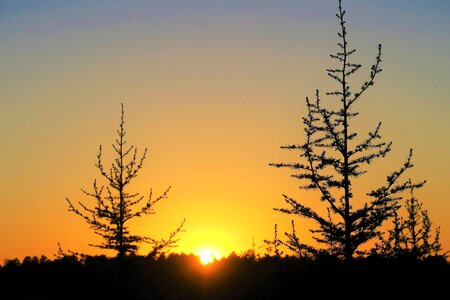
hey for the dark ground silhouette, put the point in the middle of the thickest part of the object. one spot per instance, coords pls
(180, 276)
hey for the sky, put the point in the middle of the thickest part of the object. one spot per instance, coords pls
(213, 89)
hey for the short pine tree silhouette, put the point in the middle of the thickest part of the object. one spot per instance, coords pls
(411, 236)
(294, 244)
(115, 205)
(273, 246)
(333, 157)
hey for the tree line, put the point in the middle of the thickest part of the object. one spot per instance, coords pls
(180, 276)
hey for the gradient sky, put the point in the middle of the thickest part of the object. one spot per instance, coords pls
(212, 88)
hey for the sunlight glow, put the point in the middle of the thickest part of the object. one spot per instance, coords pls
(207, 256)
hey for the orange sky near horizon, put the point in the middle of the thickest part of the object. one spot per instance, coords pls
(213, 90)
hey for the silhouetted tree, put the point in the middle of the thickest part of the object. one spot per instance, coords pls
(411, 236)
(333, 158)
(115, 205)
(161, 247)
(273, 246)
(294, 244)
(391, 245)
(69, 255)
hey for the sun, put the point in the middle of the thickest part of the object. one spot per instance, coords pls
(207, 256)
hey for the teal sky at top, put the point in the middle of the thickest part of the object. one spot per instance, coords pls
(44, 38)
(46, 16)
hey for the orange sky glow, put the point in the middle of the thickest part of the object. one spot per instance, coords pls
(213, 90)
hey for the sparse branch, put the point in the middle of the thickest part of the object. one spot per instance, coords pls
(385, 193)
(374, 71)
(147, 208)
(302, 210)
(162, 246)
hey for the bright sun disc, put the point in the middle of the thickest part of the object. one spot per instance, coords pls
(207, 256)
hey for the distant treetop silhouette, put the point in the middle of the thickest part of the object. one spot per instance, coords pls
(332, 158)
(115, 205)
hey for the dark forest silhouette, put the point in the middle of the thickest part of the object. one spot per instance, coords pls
(180, 276)
(406, 261)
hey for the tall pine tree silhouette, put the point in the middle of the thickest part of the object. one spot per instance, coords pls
(333, 156)
(115, 206)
